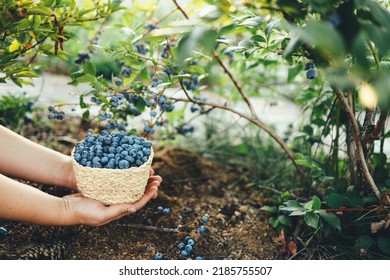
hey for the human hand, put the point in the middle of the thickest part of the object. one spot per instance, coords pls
(86, 211)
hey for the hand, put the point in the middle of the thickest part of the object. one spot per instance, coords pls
(86, 211)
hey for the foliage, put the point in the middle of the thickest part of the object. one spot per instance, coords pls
(170, 59)
(16, 110)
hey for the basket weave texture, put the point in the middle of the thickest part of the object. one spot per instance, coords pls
(112, 186)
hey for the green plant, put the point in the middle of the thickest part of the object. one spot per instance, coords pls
(16, 110)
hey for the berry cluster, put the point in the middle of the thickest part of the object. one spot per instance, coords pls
(165, 50)
(191, 84)
(55, 114)
(311, 72)
(195, 107)
(156, 81)
(187, 248)
(142, 48)
(151, 26)
(82, 57)
(183, 130)
(126, 72)
(112, 151)
(149, 130)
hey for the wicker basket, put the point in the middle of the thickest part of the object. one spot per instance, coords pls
(112, 186)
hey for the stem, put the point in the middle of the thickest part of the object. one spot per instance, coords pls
(152, 228)
(374, 54)
(358, 141)
(180, 9)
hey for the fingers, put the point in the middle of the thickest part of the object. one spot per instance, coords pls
(149, 194)
(151, 172)
(155, 178)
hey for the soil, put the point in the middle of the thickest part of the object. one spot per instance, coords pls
(193, 187)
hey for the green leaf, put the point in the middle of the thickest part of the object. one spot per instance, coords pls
(298, 213)
(253, 22)
(316, 203)
(89, 68)
(332, 219)
(270, 209)
(335, 200)
(293, 72)
(86, 115)
(311, 219)
(140, 104)
(274, 222)
(364, 242)
(291, 205)
(39, 10)
(258, 38)
(384, 244)
(284, 220)
(87, 79)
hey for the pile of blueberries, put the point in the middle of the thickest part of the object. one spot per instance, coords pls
(112, 151)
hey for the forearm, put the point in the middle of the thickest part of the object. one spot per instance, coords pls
(24, 203)
(22, 158)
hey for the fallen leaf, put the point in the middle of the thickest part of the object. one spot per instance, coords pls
(292, 247)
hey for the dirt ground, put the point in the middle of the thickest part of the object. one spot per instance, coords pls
(192, 187)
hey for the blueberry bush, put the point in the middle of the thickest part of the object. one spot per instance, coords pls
(329, 57)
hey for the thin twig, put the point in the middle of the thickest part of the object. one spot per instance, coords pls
(151, 228)
(358, 142)
(258, 123)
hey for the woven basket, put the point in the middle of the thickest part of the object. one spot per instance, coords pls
(112, 186)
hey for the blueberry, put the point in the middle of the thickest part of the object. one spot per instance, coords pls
(202, 229)
(51, 109)
(205, 219)
(129, 159)
(124, 164)
(146, 144)
(188, 248)
(184, 253)
(96, 165)
(310, 65)
(181, 245)
(96, 159)
(159, 209)
(104, 160)
(77, 157)
(311, 74)
(3, 231)
(166, 211)
(111, 150)
(153, 113)
(146, 152)
(191, 242)
(198, 258)
(186, 239)
(138, 162)
(158, 256)
(111, 164)
(50, 116)
(117, 81)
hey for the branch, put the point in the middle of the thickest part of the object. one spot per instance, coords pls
(181, 9)
(258, 123)
(358, 141)
(152, 228)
